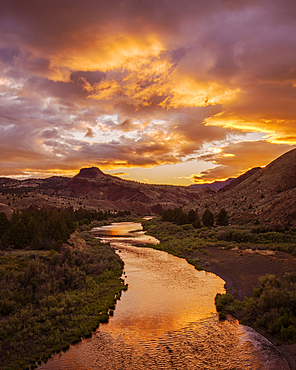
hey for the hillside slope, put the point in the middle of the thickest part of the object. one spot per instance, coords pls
(260, 194)
(93, 189)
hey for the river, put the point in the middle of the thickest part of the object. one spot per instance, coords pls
(166, 319)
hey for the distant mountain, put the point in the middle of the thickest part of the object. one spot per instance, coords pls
(93, 189)
(217, 185)
(125, 194)
(262, 194)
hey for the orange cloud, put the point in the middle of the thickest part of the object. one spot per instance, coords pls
(277, 131)
(148, 83)
(146, 78)
(188, 92)
(104, 52)
(235, 159)
(121, 174)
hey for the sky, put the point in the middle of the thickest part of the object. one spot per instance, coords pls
(158, 91)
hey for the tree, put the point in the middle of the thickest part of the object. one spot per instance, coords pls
(4, 224)
(222, 218)
(182, 218)
(16, 236)
(36, 242)
(196, 223)
(191, 216)
(208, 218)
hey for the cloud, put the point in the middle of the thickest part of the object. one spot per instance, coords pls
(137, 83)
(89, 133)
(121, 174)
(235, 159)
(7, 55)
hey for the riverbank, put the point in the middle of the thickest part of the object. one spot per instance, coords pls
(241, 272)
(50, 300)
(239, 264)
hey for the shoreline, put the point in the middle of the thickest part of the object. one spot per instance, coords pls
(241, 278)
(241, 272)
(239, 268)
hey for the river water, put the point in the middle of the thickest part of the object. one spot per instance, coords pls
(166, 319)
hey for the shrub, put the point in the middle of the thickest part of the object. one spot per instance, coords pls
(187, 226)
(104, 318)
(196, 224)
(222, 315)
(222, 300)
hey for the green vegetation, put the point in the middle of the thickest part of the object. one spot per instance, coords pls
(50, 299)
(272, 307)
(180, 240)
(46, 229)
(222, 218)
(185, 241)
(179, 217)
(225, 300)
(208, 218)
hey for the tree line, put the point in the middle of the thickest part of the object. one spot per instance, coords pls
(179, 217)
(46, 229)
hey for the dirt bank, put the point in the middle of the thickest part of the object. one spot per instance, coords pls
(241, 272)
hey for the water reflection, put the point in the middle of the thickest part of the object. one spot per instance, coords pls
(165, 293)
(166, 320)
(124, 229)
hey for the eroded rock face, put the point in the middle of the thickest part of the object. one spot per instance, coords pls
(90, 173)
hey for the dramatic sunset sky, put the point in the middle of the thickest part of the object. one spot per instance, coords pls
(162, 91)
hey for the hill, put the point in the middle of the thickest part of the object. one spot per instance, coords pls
(261, 194)
(93, 189)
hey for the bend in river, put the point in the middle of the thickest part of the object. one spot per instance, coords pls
(166, 319)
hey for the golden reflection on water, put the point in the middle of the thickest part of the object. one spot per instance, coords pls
(120, 229)
(165, 293)
(166, 320)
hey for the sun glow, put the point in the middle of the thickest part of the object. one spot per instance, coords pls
(106, 53)
(146, 85)
(190, 93)
(235, 123)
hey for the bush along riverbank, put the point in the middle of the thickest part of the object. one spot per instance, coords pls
(271, 309)
(51, 299)
(257, 263)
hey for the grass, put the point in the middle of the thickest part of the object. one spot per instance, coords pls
(50, 300)
(192, 243)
